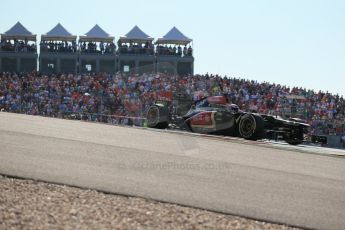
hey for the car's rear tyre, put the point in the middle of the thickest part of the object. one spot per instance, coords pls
(251, 127)
(157, 117)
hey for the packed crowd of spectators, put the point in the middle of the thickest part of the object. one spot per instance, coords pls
(17, 46)
(146, 48)
(97, 47)
(120, 97)
(323, 111)
(174, 51)
(58, 46)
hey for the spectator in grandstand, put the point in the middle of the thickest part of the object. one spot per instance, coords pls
(184, 50)
(190, 51)
(58, 46)
(17, 46)
(136, 48)
(179, 51)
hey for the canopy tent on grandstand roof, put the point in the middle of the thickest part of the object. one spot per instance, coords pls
(97, 34)
(174, 36)
(136, 35)
(58, 33)
(18, 31)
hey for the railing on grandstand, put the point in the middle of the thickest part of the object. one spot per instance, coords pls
(58, 48)
(63, 47)
(136, 50)
(97, 48)
(165, 51)
(18, 48)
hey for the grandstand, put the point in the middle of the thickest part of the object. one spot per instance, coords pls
(91, 77)
(95, 51)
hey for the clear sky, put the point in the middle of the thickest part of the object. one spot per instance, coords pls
(290, 42)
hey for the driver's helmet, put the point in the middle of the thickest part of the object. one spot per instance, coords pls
(233, 107)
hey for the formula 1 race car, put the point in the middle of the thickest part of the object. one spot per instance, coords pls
(214, 115)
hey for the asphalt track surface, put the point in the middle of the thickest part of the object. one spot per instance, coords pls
(258, 180)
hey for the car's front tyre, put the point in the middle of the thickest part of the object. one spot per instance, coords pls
(251, 127)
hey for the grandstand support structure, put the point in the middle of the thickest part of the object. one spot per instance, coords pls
(105, 63)
(18, 62)
(58, 62)
(139, 63)
(183, 65)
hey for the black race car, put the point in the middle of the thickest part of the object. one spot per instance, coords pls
(214, 115)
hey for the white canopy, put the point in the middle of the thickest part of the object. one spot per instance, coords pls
(136, 35)
(174, 36)
(58, 33)
(96, 34)
(18, 31)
